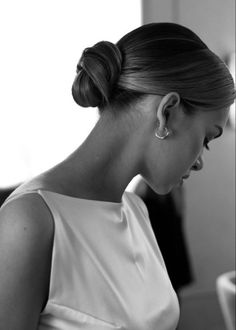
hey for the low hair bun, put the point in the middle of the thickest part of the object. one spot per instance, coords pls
(97, 72)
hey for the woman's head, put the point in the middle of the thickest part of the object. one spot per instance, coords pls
(165, 162)
(156, 58)
(164, 72)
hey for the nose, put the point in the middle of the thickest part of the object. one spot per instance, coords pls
(198, 165)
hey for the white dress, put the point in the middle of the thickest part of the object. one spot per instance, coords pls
(107, 271)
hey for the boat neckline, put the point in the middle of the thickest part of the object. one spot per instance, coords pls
(83, 199)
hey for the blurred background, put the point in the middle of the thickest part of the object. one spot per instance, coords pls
(41, 43)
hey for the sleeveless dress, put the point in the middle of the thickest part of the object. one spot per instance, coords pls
(107, 271)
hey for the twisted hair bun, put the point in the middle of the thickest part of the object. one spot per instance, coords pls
(97, 72)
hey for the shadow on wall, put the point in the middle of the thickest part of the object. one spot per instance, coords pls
(166, 213)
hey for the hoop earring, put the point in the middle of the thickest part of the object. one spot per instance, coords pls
(162, 136)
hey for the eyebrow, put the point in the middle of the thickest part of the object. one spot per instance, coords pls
(220, 131)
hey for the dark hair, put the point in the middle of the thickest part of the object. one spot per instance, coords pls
(156, 58)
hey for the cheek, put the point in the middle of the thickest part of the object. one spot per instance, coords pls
(165, 167)
(181, 158)
(195, 150)
(190, 149)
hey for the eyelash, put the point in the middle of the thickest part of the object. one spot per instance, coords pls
(206, 144)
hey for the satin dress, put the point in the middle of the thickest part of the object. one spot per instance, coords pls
(107, 271)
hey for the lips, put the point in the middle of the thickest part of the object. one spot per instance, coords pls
(185, 176)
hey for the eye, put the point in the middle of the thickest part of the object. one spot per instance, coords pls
(206, 141)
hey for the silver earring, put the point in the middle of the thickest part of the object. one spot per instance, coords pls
(164, 133)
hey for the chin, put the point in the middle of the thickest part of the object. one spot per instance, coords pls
(162, 190)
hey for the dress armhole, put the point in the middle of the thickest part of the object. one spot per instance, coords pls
(14, 196)
(44, 209)
(53, 214)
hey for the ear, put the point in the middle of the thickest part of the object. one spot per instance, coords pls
(169, 102)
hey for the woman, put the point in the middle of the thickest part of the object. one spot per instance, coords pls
(77, 252)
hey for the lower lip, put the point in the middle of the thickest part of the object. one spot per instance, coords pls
(181, 181)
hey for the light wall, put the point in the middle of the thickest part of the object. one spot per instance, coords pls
(41, 43)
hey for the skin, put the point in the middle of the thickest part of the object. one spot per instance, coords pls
(181, 152)
(120, 146)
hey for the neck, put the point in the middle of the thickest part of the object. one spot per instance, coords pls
(102, 167)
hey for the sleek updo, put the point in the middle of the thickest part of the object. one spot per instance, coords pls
(155, 58)
(97, 71)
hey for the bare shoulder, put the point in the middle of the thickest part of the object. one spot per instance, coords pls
(27, 211)
(26, 238)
